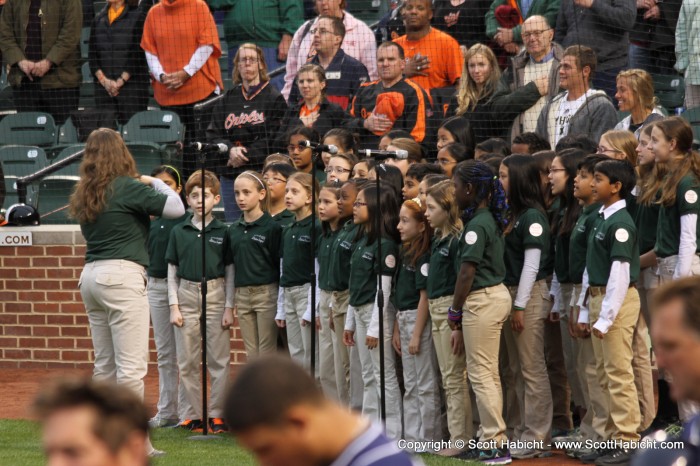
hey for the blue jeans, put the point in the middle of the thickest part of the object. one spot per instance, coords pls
(653, 61)
(231, 210)
(270, 54)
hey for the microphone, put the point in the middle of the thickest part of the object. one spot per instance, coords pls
(330, 148)
(380, 155)
(206, 146)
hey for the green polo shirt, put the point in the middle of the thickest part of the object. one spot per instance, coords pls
(409, 281)
(668, 230)
(298, 253)
(612, 239)
(444, 266)
(578, 244)
(325, 250)
(531, 230)
(158, 239)
(482, 244)
(364, 269)
(321, 176)
(121, 229)
(646, 218)
(561, 252)
(284, 218)
(255, 251)
(185, 250)
(341, 252)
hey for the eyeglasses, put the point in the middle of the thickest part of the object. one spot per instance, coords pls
(554, 170)
(291, 147)
(338, 170)
(359, 204)
(321, 31)
(248, 60)
(527, 35)
(445, 162)
(271, 181)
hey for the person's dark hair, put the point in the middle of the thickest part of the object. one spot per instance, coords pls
(585, 56)
(493, 161)
(570, 159)
(357, 183)
(687, 290)
(534, 141)
(399, 133)
(173, 173)
(494, 146)
(419, 171)
(265, 390)
(524, 184)
(389, 214)
(283, 169)
(309, 133)
(118, 412)
(347, 139)
(544, 160)
(486, 186)
(338, 25)
(462, 132)
(619, 171)
(685, 162)
(458, 151)
(392, 177)
(590, 161)
(388, 44)
(577, 141)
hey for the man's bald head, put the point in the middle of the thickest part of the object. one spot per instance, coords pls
(537, 36)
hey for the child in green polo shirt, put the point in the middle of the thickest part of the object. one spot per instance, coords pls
(254, 252)
(612, 269)
(481, 303)
(442, 213)
(163, 330)
(421, 400)
(184, 258)
(527, 246)
(365, 264)
(414, 175)
(275, 176)
(298, 261)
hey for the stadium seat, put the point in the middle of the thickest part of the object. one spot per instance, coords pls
(68, 133)
(159, 127)
(29, 129)
(692, 116)
(85, 42)
(18, 161)
(148, 156)
(670, 89)
(55, 189)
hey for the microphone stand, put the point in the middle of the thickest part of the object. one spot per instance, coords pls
(380, 299)
(315, 153)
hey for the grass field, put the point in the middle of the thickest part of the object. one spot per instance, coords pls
(21, 446)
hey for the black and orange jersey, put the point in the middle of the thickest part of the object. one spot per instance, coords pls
(405, 103)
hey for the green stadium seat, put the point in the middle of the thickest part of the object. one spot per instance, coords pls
(68, 133)
(85, 42)
(148, 156)
(692, 116)
(55, 189)
(159, 127)
(670, 90)
(28, 129)
(18, 161)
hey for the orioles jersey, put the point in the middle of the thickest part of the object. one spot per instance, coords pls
(405, 103)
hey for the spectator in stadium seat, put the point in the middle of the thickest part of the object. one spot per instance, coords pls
(462, 19)
(121, 76)
(579, 109)
(541, 57)
(182, 50)
(41, 46)
(268, 23)
(652, 38)
(635, 94)
(688, 50)
(602, 25)
(92, 423)
(510, 38)
(392, 103)
(344, 74)
(529, 143)
(433, 58)
(246, 120)
(485, 100)
(359, 42)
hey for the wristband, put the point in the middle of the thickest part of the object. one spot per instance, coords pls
(454, 315)
(518, 308)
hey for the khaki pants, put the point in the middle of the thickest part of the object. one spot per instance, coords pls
(341, 354)
(188, 340)
(326, 362)
(452, 369)
(613, 356)
(556, 373)
(114, 295)
(170, 393)
(482, 321)
(526, 362)
(256, 307)
(296, 301)
(569, 348)
(421, 400)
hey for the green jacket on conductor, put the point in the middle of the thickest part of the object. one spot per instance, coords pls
(61, 24)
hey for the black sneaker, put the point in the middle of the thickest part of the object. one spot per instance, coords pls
(217, 425)
(495, 456)
(591, 457)
(620, 456)
(194, 425)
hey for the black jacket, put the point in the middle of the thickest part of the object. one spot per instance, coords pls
(252, 122)
(115, 48)
(330, 116)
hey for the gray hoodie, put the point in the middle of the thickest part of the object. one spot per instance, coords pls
(596, 116)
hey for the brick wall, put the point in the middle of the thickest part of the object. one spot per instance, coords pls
(42, 319)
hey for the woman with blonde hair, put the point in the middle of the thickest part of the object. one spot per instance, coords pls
(487, 103)
(113, 205)
(620, 145)
(635, 94)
